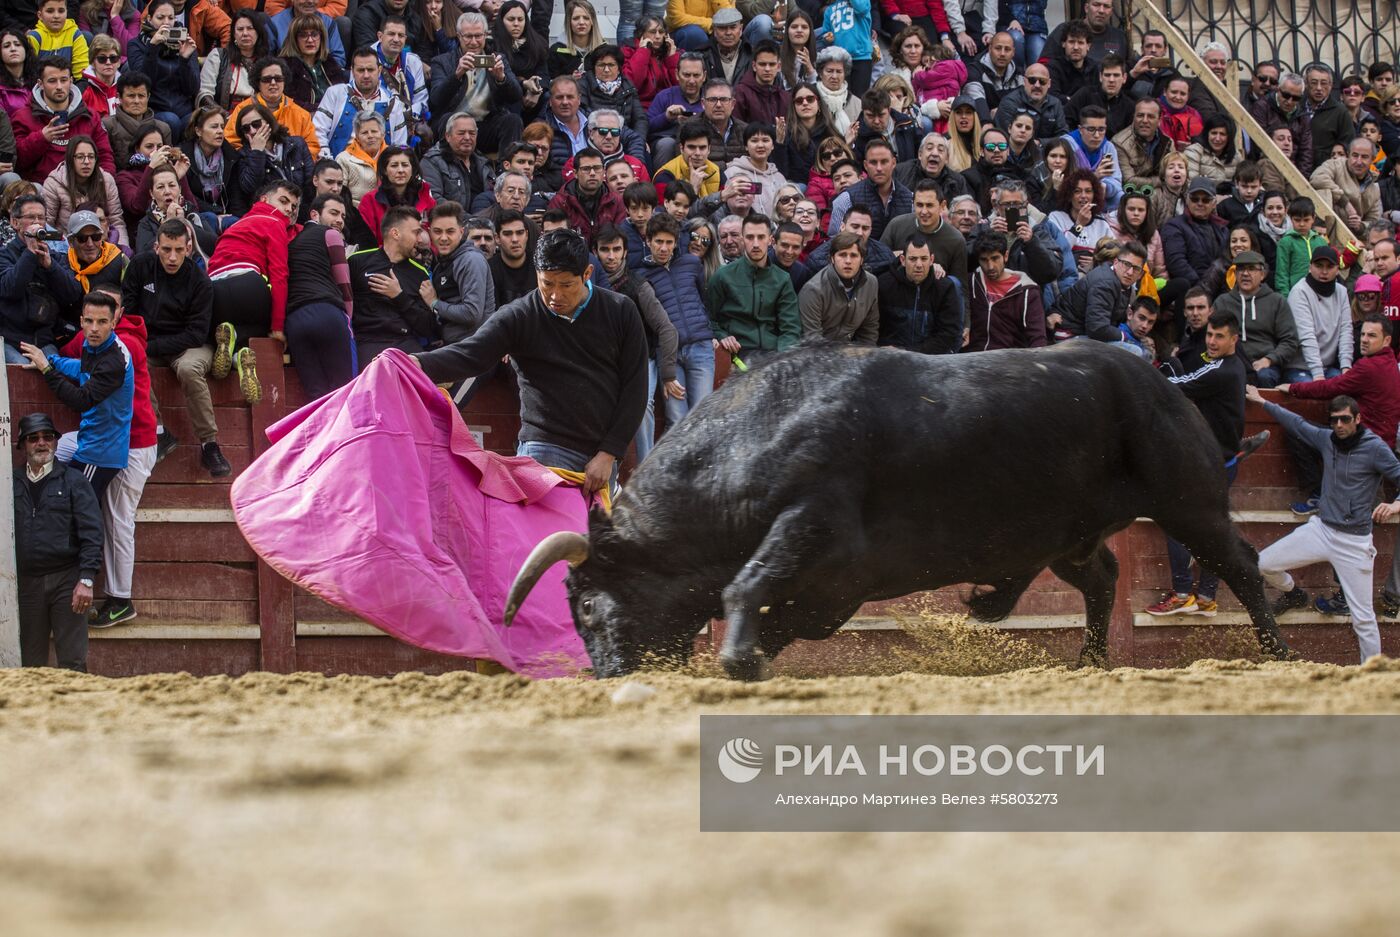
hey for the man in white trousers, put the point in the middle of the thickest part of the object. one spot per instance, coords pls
(1354, 460)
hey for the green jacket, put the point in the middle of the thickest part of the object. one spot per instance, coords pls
(756, 306)
(1294, 255)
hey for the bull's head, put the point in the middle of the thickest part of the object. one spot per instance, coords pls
(622, 614)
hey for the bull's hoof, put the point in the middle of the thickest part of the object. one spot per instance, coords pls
(1277, 650)
(746, 667)
(1096, 660)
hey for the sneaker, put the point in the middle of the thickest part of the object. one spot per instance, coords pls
(246, 363)
(212, 458)
(225, 337)
(1298, 598)
(165, 444)
(1250, 445)
(1334, 604)
(112, 612)
(1305, 508)
(1388, 606)
(1206, 608)
(1174, 604)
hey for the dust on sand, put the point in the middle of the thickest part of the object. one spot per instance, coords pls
(305, 804)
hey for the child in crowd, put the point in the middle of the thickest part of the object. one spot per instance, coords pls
(1295, 248)
(56, 34)
(640, 199)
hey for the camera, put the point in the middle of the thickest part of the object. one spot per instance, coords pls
(177, 35)
(49, 234)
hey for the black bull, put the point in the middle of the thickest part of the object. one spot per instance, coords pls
(836, 475)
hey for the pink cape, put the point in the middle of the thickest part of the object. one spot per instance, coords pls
(377, 499)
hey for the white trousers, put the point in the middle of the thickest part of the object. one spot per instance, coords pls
(1353, 556)
(123, 495)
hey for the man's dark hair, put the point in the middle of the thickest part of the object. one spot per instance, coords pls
(663, 223)
(1197, 291)
(397, 216)
(1224, 320)
(1112, 60)
(553, 216)
(322, 165)
(988, 242)
(587, 153)
(509, 215)
(133, 79)
(1301, 206)
(1387, 327)
(859, 208)
(392, 18)
(879, 143)
(680, 187)
(844, 162)
(1155, 32)
(768, 46)
(1092, 110)
(692, 130)
(1078, 29)
(928, 185)
(562, 250)
(758, 128)
(1132, 247)
(875, 101)
(51, 61)
(364, 52)
(608, 233)
(17, 207)
(845, 241)
(173, 228)
(263, 64)
(277, 185)
(509, 151)
(100, 298)
(790, 227)
(1147, 303)
(756, 218)
(324, 199)
(715, 83)
(639, 193)
(1378, 69)
(1339, 403)
(448, 209)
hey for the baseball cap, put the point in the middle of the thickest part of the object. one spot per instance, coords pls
(1201, 184)
(1368, 283)
(1325, 254)
(83, 219)
(726, 16)
(1250, 259)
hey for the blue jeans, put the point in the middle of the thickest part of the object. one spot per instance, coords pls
(1180, 558)
(1028, 48)
(695, 369)
(176, 122)
(1272, 377)
(14, 356)
(629, 11)
(554, 456)
(689, 38)
(646, 432)
(758, 29)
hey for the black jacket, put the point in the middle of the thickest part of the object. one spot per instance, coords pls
(35, 302)
(449, 180)
(58, 524)
(178, 309)
(1095, 305)
(376, 318)
(1216, 387)
(925, 317)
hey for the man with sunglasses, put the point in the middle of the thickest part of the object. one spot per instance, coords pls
(58, 549)
(1192, 241)
(1263, 82)
(1354, 461)
(606, 134)
(1283, 108)
(1034, 98)
(94, 260)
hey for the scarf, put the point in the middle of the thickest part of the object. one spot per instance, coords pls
(616, 281)
(210, 170)
(835, 102)
(1272, 230)
(109, 252)
(359, 152)
(609, 88)
(1324, 290)
(1351, 442)
(1092, 157)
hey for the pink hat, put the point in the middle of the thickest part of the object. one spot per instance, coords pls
(1368, 283)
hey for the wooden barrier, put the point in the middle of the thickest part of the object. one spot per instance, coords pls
(208, 605)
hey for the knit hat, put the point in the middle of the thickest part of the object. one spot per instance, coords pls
(1368, 283)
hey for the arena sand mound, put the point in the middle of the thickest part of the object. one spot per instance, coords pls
(311, 805)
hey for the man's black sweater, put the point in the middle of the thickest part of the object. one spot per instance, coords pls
(378, 318)
(1216, 387)
(177, 308)
(583, 383)
(511, 283)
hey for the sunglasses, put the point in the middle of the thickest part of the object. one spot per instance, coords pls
(106, 59)
(1132, 189)
(1037, 81)
(254, 125)
(1201, 198)
(608, 131)
(995, 147)
(703, 242)
(1346, 419)
(87, 238)
(1269, 82)
(806, 100)
(1287, 96)
(785, 199)
(271, 80)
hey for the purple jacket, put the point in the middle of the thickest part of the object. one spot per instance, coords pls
(657, 121)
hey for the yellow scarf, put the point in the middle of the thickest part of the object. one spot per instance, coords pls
(109, 252)
(359, 152)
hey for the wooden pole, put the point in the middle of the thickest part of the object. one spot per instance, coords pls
(1230, 100)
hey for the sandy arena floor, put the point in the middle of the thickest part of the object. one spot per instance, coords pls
(308, 805)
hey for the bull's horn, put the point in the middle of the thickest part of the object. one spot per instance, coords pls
(567, 545)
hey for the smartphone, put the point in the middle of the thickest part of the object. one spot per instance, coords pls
(485, 61)
(1160, 61)
(1013, 219)
(755, 187)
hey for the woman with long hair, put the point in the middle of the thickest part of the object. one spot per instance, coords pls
(799, 50)
(834, 74)
(79, 179)
(1025, 152)
(653, 62)
(581, 36)
(1134, 222)
(269, 152)
(310, 68)
(400, 183)
(227, 76)
(1080, 215)
(522, 46)
(1212, 154)
(148, 151)
(437, 31)
(1365, 301)
(213, 164)
(1169, 199)
(360, 158)
(909, 52)
(1220, 278)
(116, 18)
(807, 126)
(1055, 163)
(703, 243)
(964, 136)
(19, 69)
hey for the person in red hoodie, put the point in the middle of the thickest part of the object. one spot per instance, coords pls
(1373, 379)
(1385, 262)
(123, 493)
(55, 114)
(1006, 310)
(249, 275)
(652, 64)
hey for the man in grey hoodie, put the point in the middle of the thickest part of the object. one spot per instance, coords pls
(1322, 314)
(1269, 336)
(1354, 460)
